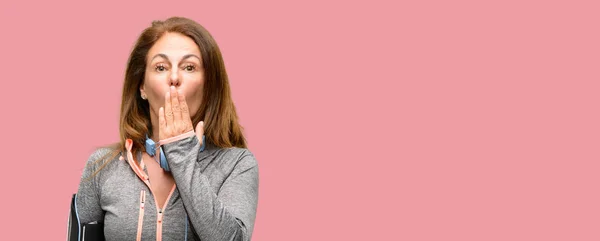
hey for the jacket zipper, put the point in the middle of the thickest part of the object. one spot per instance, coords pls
(141, 217)
(159, 219)
(159, 211)
(142, 175)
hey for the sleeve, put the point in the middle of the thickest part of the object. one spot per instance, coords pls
(87, 204)
(226, 215)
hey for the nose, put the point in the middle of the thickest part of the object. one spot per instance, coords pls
(174, 79)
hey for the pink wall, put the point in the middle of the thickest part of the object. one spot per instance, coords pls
(437, 120)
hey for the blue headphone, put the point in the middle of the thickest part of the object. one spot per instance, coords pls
(150, 149)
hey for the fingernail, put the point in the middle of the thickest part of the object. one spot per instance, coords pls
(172, 87)
(202, 123)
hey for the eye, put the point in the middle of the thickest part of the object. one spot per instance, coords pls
(189, 67)
(160, 68)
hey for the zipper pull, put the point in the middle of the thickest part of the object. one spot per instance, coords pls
(160, 216)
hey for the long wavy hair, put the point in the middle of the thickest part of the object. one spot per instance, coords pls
(221, 125)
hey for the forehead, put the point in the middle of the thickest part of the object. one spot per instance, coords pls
(174, 44)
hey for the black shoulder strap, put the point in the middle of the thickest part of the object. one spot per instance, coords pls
(77, 231)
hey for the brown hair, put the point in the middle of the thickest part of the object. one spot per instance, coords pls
(221, 126)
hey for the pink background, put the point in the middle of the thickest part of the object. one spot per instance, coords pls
(437, 120)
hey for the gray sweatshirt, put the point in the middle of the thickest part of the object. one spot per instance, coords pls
(215, 196)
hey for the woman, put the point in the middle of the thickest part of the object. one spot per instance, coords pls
(167, 180)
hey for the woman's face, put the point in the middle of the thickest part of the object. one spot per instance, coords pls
(173, 60)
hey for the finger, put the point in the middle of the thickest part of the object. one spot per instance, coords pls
(200, 131)
(176, 108)
(185, 112)
(168, 111)
(162, 124)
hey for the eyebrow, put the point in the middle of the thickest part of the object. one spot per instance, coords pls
(164, 56)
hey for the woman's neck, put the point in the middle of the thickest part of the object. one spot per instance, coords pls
(155, 127)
